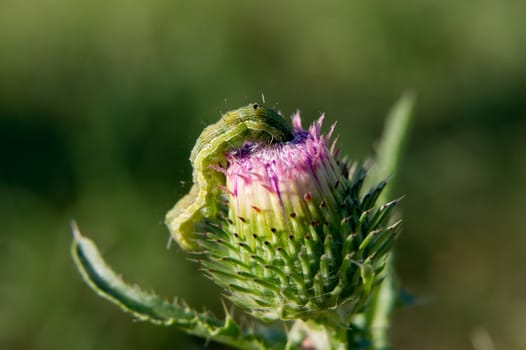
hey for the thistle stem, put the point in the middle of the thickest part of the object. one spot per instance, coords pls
(322, 334)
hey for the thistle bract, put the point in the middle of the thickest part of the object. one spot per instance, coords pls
(296, 236)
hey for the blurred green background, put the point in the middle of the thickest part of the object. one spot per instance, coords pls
(101, 101)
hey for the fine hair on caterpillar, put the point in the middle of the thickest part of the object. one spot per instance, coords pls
(252, 123)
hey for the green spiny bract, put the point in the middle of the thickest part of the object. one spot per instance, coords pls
(297, 236)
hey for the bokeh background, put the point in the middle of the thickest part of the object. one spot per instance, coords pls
(101, 101)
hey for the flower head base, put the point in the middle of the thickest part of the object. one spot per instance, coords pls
(296, 238)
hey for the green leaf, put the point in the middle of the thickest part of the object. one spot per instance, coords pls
(391, 146)
(150, 307)
(389, 152)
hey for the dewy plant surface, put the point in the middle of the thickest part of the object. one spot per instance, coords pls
(289, 230)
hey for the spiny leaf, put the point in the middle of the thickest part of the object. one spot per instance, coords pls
(150, 307)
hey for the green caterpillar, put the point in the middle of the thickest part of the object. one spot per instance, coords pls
(249, 123)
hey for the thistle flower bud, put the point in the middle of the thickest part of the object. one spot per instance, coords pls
(284, 226)
(297, 236)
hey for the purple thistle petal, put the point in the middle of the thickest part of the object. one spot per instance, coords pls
(277, 177)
